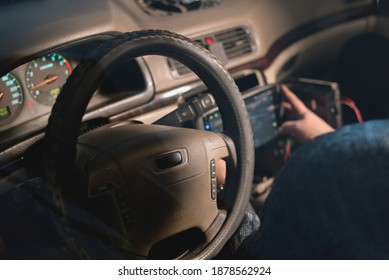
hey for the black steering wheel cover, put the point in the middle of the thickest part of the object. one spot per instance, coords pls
(63, 127)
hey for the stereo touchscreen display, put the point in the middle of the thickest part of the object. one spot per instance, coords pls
(263, 109)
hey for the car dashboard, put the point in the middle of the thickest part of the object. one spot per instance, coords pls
(242, 41)
(261, 43)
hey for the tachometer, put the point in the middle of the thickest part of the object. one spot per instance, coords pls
(11, 98)
(46, 76)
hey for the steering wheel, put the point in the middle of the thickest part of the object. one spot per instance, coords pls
(153, 186)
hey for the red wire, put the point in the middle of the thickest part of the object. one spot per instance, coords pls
(288, 150)
(350, 103)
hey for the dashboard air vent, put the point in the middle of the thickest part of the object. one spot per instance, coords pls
(236, 42)
(226, 45)
(171, 7)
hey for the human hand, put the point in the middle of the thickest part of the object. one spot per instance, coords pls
(303, 125)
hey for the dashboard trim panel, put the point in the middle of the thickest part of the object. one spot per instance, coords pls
(306, 30)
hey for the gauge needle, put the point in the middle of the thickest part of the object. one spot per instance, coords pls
(45, 82)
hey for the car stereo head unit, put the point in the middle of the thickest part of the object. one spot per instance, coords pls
(264, 105)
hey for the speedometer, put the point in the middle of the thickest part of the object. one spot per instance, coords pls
(46, 76)
(11, 98)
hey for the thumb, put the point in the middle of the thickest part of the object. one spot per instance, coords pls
(287, 128)
(293, 130)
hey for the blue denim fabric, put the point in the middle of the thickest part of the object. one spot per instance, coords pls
(330, 201)
(250, 224)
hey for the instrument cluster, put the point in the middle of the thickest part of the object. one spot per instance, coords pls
(31, 89)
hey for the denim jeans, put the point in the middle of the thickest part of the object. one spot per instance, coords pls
(330, 201)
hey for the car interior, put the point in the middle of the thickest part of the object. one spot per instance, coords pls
(114, 115)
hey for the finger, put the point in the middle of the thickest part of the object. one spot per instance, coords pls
(287, 128)
(296, 103)
(288, 112)
(221, 171)
(287, 106)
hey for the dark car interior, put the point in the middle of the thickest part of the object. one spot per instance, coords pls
(115, 113)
